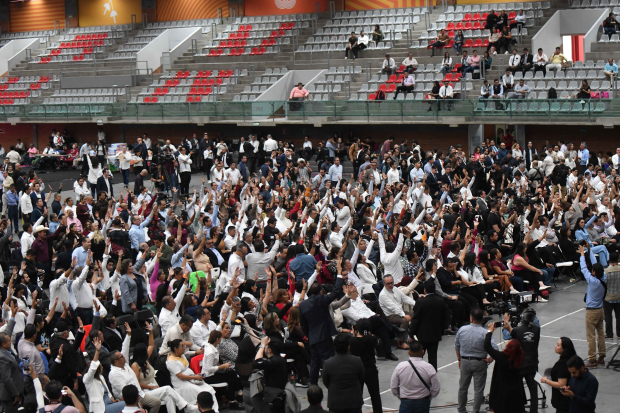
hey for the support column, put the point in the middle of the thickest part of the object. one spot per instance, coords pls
(520, 136)
(475, 136)
(35, 135)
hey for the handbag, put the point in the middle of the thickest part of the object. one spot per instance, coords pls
(594, 95)
(420, 377)
(605, 95)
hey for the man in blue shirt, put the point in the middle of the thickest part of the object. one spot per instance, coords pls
(584, 157)
(81, 253)
(303, 265)
(243, 168)
(12, 200)
(335, 172)
(611, 69)
(595, 314)
(136, 232)
(265, 168)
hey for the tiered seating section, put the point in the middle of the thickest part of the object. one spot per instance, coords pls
(18, 90)
(586, 4)
(204, 23)
(84, 96)
(260, 84)
(186, 86)
(541, 108)
(42, 34)
(263, 36)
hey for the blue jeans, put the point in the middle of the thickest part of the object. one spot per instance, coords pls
(517, 283)
(470, 69)
(415, 406)
(125, 176)
(173, 182)
(609, 31)
(458, 47)
(547, 275)
(603, 254)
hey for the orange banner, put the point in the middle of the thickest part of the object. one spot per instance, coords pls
(108, 12)
(36, 15)
(384, 4)
(170, 10)
(268, 7)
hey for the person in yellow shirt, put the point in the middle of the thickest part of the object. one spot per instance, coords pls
(556, 60)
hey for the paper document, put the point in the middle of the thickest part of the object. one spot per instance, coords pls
(538, 377)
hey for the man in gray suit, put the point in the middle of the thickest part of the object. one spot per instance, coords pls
(11, 381)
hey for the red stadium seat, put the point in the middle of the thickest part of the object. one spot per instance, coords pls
(272, 42)
(197, 99)
(273, 34)
(213, 52)
(246, 35)
(219, 52)
(448, 77)
(221, 73)
(232, 52)
(158, 91)
(193, 91)
(383, 87)
(512, 15)
(153, 99)
(476, 17)
(147, 99)
(261, 50)
(485, 43)
(254, 51)
(467, 17)
(372, 96)
(477, 26)
(243, 43)
(392, 79)
(283, 26)
(484, 17)
(242, 28)
(208, 91)
(456, 67)
(401, 77)
(291, 25)
(457, 77)
(190, 99)
(401, 69)
(478, 43)
(450, 43)
(232, 35)
(450, 26)
(468, 26)
(248, 27)
(265, 42)
(281, 33)
(459, 26)
(391, 88)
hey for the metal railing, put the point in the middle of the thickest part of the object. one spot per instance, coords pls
(559, 111)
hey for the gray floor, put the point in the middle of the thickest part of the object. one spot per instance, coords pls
(563, 315)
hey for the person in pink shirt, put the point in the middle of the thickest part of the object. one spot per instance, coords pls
(32, 152)
(474, 63)
(297, 94)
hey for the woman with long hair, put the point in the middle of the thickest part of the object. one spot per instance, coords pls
(273, 330)
(134, 291)
(97, 244)
(100, 396)
(183, 379)
(581, 233)
(493, 268)
(522, 268)
(560, 374)
(214, 372)
(507, 394)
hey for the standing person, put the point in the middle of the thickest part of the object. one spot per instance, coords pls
(11, 382)
(560, 374)
(582, 387)
(597, 285)
(274, 369)
(124, 163)
(363, 345)
(611, 304)
(415, 382)
(528, 335)
(185, 170)
(430, 319)
(473, 360)
(506, 394)
(318, 326)
(343, 374)
(584, 156)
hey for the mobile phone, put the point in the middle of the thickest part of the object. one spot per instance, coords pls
(499, 324)
(63, 392)
(26, 364)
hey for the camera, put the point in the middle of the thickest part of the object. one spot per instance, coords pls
(513, 304)
(499, 324)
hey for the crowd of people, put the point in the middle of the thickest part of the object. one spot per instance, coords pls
(271, 276)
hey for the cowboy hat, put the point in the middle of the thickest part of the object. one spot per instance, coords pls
(40, 228)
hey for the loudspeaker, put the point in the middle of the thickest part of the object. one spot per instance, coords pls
(71, 8)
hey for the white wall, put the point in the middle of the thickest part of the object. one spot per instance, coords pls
(567, 23)
(14, 52)
(150, 55)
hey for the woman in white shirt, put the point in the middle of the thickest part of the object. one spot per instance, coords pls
(214, 372)
(446, 64)
(393, 176)
(94, 170)
(100, 397)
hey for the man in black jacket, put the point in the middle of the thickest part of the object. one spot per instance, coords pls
(343, 374)
(315, 319)
(67, 371)
(526, 61)
(528, 334)
(315, 397)
(491, 20)
(430, 318)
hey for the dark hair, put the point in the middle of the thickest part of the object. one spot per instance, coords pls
(599, 270)
(415, 346)
(204, 400)
(477, 314)
(130, 394)
(140, 356)
(53, 389)
(575, 362)
(613, 256)
(315, 395)
(341, 343)
(429, 286)
(429, 265)
(214, 336)
(174, 344)
(187, 319)
(569, 348)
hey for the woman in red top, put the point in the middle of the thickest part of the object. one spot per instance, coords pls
(522, 268)
(490, 274)
(282, 299)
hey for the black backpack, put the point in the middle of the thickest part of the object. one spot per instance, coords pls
(380, 95)
(552, 93)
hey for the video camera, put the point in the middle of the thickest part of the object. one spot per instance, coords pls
(513, 304)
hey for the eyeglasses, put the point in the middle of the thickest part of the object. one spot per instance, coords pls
(392, 283)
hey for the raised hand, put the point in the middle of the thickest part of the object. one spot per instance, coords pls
(128, 329)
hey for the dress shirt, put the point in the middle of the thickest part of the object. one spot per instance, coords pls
(540, 59)
(200, 332)
(391, 261)
(514, 60)
(518, 88)
(185, 163)
(234, 262)
(81, 254)
(388, 63)
(120, 377)
(391, 302)
(410, 62)
(271, 144)
(82, 291)
(596, 291)
(25, 203)
(357, 310)
(558, 58)
(257, 261)
(611, 67)
(136, 234)
(470, 341)
(298, 93)
(168, 318)
(59, 288)
(584, 156)
(28, 349)
(508, 80)
(335, 172)
(443, 91)
(406, 384)
(176, 332)
(416, 175)
(409, 81)
(474, 60)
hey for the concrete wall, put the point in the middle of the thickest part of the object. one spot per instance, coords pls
(150, 56)
(96, 81)
(183, 44)
(567, 23)
(14, 52)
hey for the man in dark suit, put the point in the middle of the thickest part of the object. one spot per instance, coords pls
(526, 61)
(432, 181)
(67, 371)
(317, 324)
(11, 380)
(248, 150)
(112, 338)
(343, 375)
(430, 319)
(529, 152)
(104, 183)
(315, 397)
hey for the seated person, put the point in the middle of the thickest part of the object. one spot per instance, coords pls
(521, 90)
(485, 90)
(391, 301)
(508, 80)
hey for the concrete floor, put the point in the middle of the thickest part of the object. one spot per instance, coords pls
(563, 315)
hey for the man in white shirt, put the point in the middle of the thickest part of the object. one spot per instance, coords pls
(202, 327)
(446, 91)
(236, 267)
(410, 63)
(232, 174)
(335, 172)
(83, 294)
(407, 85)
(169, 314)
(185, 169)
(508, 80)
(337, 235)
(540, 62)
(548, 162)
(514, 63)
(389, 66)
(258, 260)
(391, 301)
(615, 160)
(270, 144)
(27, 237)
